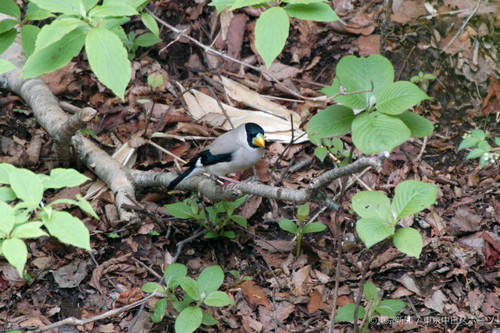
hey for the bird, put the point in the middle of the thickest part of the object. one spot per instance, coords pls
(231, 152)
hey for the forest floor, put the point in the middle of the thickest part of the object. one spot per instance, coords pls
(452, 287)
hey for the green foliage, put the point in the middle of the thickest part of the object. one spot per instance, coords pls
(422, 79)
(371, 105)
(272, 27)
(23, 215)
(196, 293)
(476, 140)
(299, 229)
(78, 24)
(387, 308)
(379, 216)
(214, 219)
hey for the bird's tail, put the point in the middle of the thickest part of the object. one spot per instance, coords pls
(180, 178)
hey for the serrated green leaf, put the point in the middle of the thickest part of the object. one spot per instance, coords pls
(218, 298)
(191, 287)
(9, 7)
(7, 25)
(209, 320)
(6, 218)
(313, 227)
(412, 196)
(188, 320)
(483, 144)
(180, 210)
(159, 310)
(6, 66)
(61, 177)
(27, 185)
(68, 229)
(372, 204)
(468, 142)
(418, 125)
(29, 34)
(56, 30)
(408, 241)
(150, 23)
(475, 153)
(210, 279)
(28, 230)
(86, 206)
(479, 134)
(332, 121)
(113, 9)
(390, 307)
(34, 13)
(373, 133)
(288, 225)
(318, 11)
(151, 287)
(373, 230)
(346, 313)
(370, 291)
(271, 32)
(399, 96)
(6, 39)
(108, 59)
(70, 7)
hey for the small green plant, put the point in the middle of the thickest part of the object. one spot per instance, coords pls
(23, 215)
(239, 278)
(379, 216)
(422, 79)
(272, 27)
(477, 141)
(193, 295)
(78, 24)
(300, 228)
(378, 306)
(373, 107)
(214, 219)
(333, 146)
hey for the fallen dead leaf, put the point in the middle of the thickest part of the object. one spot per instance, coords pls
(254, 294)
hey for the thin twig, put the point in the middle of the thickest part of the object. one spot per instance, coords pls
(462, 26)
(183, 242)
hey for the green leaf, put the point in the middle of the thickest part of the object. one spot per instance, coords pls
(191, 287)
(5, 171)
(70, 7)
(6, 66)
(271, 32)
(399, 96)
(10, 8)
(7, 194)
(173, 273)
(108, 59)
(373, 133)
(477, 133)
(408, 241)
(288, 225)
(229, 234)
(147, 39)
(304, 1)
(6, 218)
(319, 11)
(412, 196)
(86, 206)
(475, 153)
(218, 298)
(241, 220)
(373, 230)
(211, 235)
(468, 142)
(244, 3)
(209, 320)
(390, 307)
(333, 121)
(313, 227)
(56, 30)
(151, 287)
(16, 253)
(346, 313)
(68, 229)
(7, 24)
(497, 141)
(188, 320)
(113, 9)
(210, 279)
(180, 210)
(61, 177)
(27, 185)
(370, 291)
(34, 13)
(418, 125)
(6, 39)
(320, 153)
(60, 54)
(150, 23)
(369, 204)
(29, 230)
(159, 310)
(29, 34)
(303, 212)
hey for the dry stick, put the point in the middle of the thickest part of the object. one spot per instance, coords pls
(462, 26)
(181, 244)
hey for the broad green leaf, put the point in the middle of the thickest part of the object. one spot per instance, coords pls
(210, 279)
(68, 229)
(89, 4)
(10, 8)
(218, 298)
(151, 287)
(150, 23)
(373, 230)
(173, 273)
(318, 11)
(16, 253)
(477, 133)
(288, 225)
(112, 10)
(180, 210)
(370, 291)
(211, 235)
(271, 32)
(238, 202)
(313, 227)
(229, 234)
(390, 307)
(29, 34)
(400, 96)
(304, 1)
(6, 66)
(303, 212)
(475, 153)
(159, 310)
(60, 54)
(245, 3)
(7, 24)
(29, 230)
(147, 39)
(373, 133)
(56, 30)
(7, 194)
(468, 142)
(70, 7)
(27, 185)
(6, 39)
(418, 125)
(61, 177)
(132, 3)
(320, 153)
(5, 170)
(346, 313)
(35, 13)
(108, 59)
(6, 218)
(412, 196)
(408, 241)
(209, 320)
(332, 121)
(372, 204)
(241, 220)
(86, 206)
(191, 287)
(188, 320)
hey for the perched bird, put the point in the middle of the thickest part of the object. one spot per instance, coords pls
(231, 152)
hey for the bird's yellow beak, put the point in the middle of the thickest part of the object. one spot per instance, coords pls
(259, 140)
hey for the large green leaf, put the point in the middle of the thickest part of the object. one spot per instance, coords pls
(150, 23)
(373, 230)
(332, 121)
(61, 177)
(412, 196)
(10, 8)
(313, 227)
(7, 24)
(28, 230)
(241, 3)
(108, 59)
(180, 210)
(375, 132)
(210, 279)
(5, 171)
(372, 204)
(6, 218)
(271, 32)
(188, 320)
(318, 11)
(191, 287)
(399, 96)
(29, 34)
(390, 307)
(56, 30)
(418, 125)
(68, 229)
(112, 10)
(408, 241)
(6, 66)
(70, 7)
(288, 225)
(16, 253)
(346, 313)
(27, 185)
(218, 298)
(60, 53)
(6, 39)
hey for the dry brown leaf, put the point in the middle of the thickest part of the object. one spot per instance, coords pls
(315, 303)
(254, 294)
(437, 301)
(71, 275)
(302, 281)
(405, 11)
(369, 45)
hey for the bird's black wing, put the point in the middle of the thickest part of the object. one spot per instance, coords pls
(207, 158)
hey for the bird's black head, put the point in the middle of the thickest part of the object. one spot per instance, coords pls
(255, 135)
